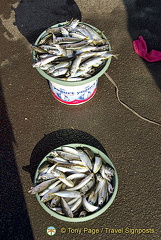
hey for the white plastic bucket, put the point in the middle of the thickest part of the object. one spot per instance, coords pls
(72, 92)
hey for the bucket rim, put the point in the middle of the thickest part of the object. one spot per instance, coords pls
(71, 83)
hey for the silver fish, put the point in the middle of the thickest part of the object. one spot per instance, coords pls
(85, 159)
(110, 188)
(80, 30)
(69, 53)
(89, 207)
(93, 33)
(74, 79)
(86, 32)
(67, 155)
(72, 168)
(101, 48)
(77, 35)
(68, 182)
(56, 52)
(51, 169)
(88, 55)
(57, 159)
(87, 186)
(66, 169)
(66, 208)
(109, 171)
(102, 194)
(49, 195)
(82, 183)
(57, 173)
(89, 152)
(44, 61)
(65, 193)
(64, 32)
(107, 197)
(38, 49)
(60, 49)
(73, 24)
(100, 184)
(41, 194)
(45, 55)
(104, 174)
(71, 201)
(55, 201)
(100, 42)
(97, 164)
(75, 46)
(86, 49)
(57, 66)
(45, 38)
(43, 167)
(69, 150)
(46, 66)
(61, 176)
(80, 168)
(75, 206)
(77, 162)
(83, 213)
(95, 61)
(54, 30)
(66, 40)
(47, 47)
(60, 71)
(86, 75)
(46, 176)
(92, 197)
(108, 55)
(75, 65)
(76, 175)
(54, 153)
(57, 210)
(40, 187)
(54, 184)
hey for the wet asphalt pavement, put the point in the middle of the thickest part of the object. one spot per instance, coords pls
(32, 121)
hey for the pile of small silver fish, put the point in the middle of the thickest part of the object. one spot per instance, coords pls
(72, 52)
(74, 181)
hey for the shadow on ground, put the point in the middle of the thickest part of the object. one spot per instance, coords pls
(144, 20)
(33, 17)
(57, 139)
(15, 223)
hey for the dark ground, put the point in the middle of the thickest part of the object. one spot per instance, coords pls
(33, 122)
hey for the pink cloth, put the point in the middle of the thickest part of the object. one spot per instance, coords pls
(140, 48)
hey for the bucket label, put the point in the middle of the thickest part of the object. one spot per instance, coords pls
(74, 94)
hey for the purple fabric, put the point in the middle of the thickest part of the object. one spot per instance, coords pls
(140, 48)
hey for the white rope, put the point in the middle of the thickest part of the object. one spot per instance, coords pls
(126, 106)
